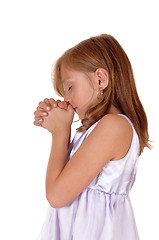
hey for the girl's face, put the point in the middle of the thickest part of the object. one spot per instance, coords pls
(80, 89)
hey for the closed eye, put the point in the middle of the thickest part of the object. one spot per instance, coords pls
(69, 88)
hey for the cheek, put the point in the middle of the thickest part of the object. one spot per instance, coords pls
(88, 94)
(83, 96)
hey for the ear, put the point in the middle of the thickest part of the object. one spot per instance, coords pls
(102, 78)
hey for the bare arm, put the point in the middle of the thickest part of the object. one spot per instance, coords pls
(110, 140)
(57, 161)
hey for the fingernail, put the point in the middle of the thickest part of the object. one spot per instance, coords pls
(48, 108)
(55, 105)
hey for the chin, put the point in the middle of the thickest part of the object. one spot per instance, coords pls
(80, 115)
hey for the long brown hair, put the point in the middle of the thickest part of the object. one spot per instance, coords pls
(104, 51)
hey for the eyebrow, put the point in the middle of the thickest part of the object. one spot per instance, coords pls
(66, 80)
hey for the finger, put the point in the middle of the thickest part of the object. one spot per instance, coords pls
(63, 105)
(40, 113)
(70, 107)
(46, 100)
(38, 122)
(40, 109)
(44, 106)
(53, 103)
(39, 119)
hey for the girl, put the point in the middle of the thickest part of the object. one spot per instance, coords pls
(88, 181)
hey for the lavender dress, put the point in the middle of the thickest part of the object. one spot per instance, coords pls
(103, 210)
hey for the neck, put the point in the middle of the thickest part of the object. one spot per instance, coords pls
(114, 110)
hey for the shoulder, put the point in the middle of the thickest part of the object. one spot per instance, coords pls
(118, 131)
(113, 122)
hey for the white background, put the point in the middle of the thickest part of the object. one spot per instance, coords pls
(33, 34)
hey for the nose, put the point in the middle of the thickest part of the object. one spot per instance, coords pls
(66, 98)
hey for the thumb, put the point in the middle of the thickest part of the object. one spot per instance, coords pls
(69, 107)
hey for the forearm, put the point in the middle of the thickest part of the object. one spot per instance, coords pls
(57, 161)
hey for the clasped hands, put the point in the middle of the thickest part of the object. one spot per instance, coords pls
(55, 116)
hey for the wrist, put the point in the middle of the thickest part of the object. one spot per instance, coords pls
(62, 137)
(62, 132)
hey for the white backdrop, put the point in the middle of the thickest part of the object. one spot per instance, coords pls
(34, 33)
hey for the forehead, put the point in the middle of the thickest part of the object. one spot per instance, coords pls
(66, 73)
(67, 76)
(72, 74)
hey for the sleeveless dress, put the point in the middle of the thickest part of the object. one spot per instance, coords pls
(103, 211)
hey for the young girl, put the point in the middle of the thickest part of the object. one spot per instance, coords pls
(88, 180)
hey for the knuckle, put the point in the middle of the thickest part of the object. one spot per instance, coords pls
(61, 104)
(52, 100)
(35, 122)
(36, 118)
(46, 100)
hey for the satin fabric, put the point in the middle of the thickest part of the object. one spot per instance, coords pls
(103, 211)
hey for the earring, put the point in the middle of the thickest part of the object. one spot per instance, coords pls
(99, 93)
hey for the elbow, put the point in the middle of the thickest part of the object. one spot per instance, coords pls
(51, 199)
(58, 197)
(55, 202)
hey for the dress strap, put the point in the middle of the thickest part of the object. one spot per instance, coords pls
(135, 135)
